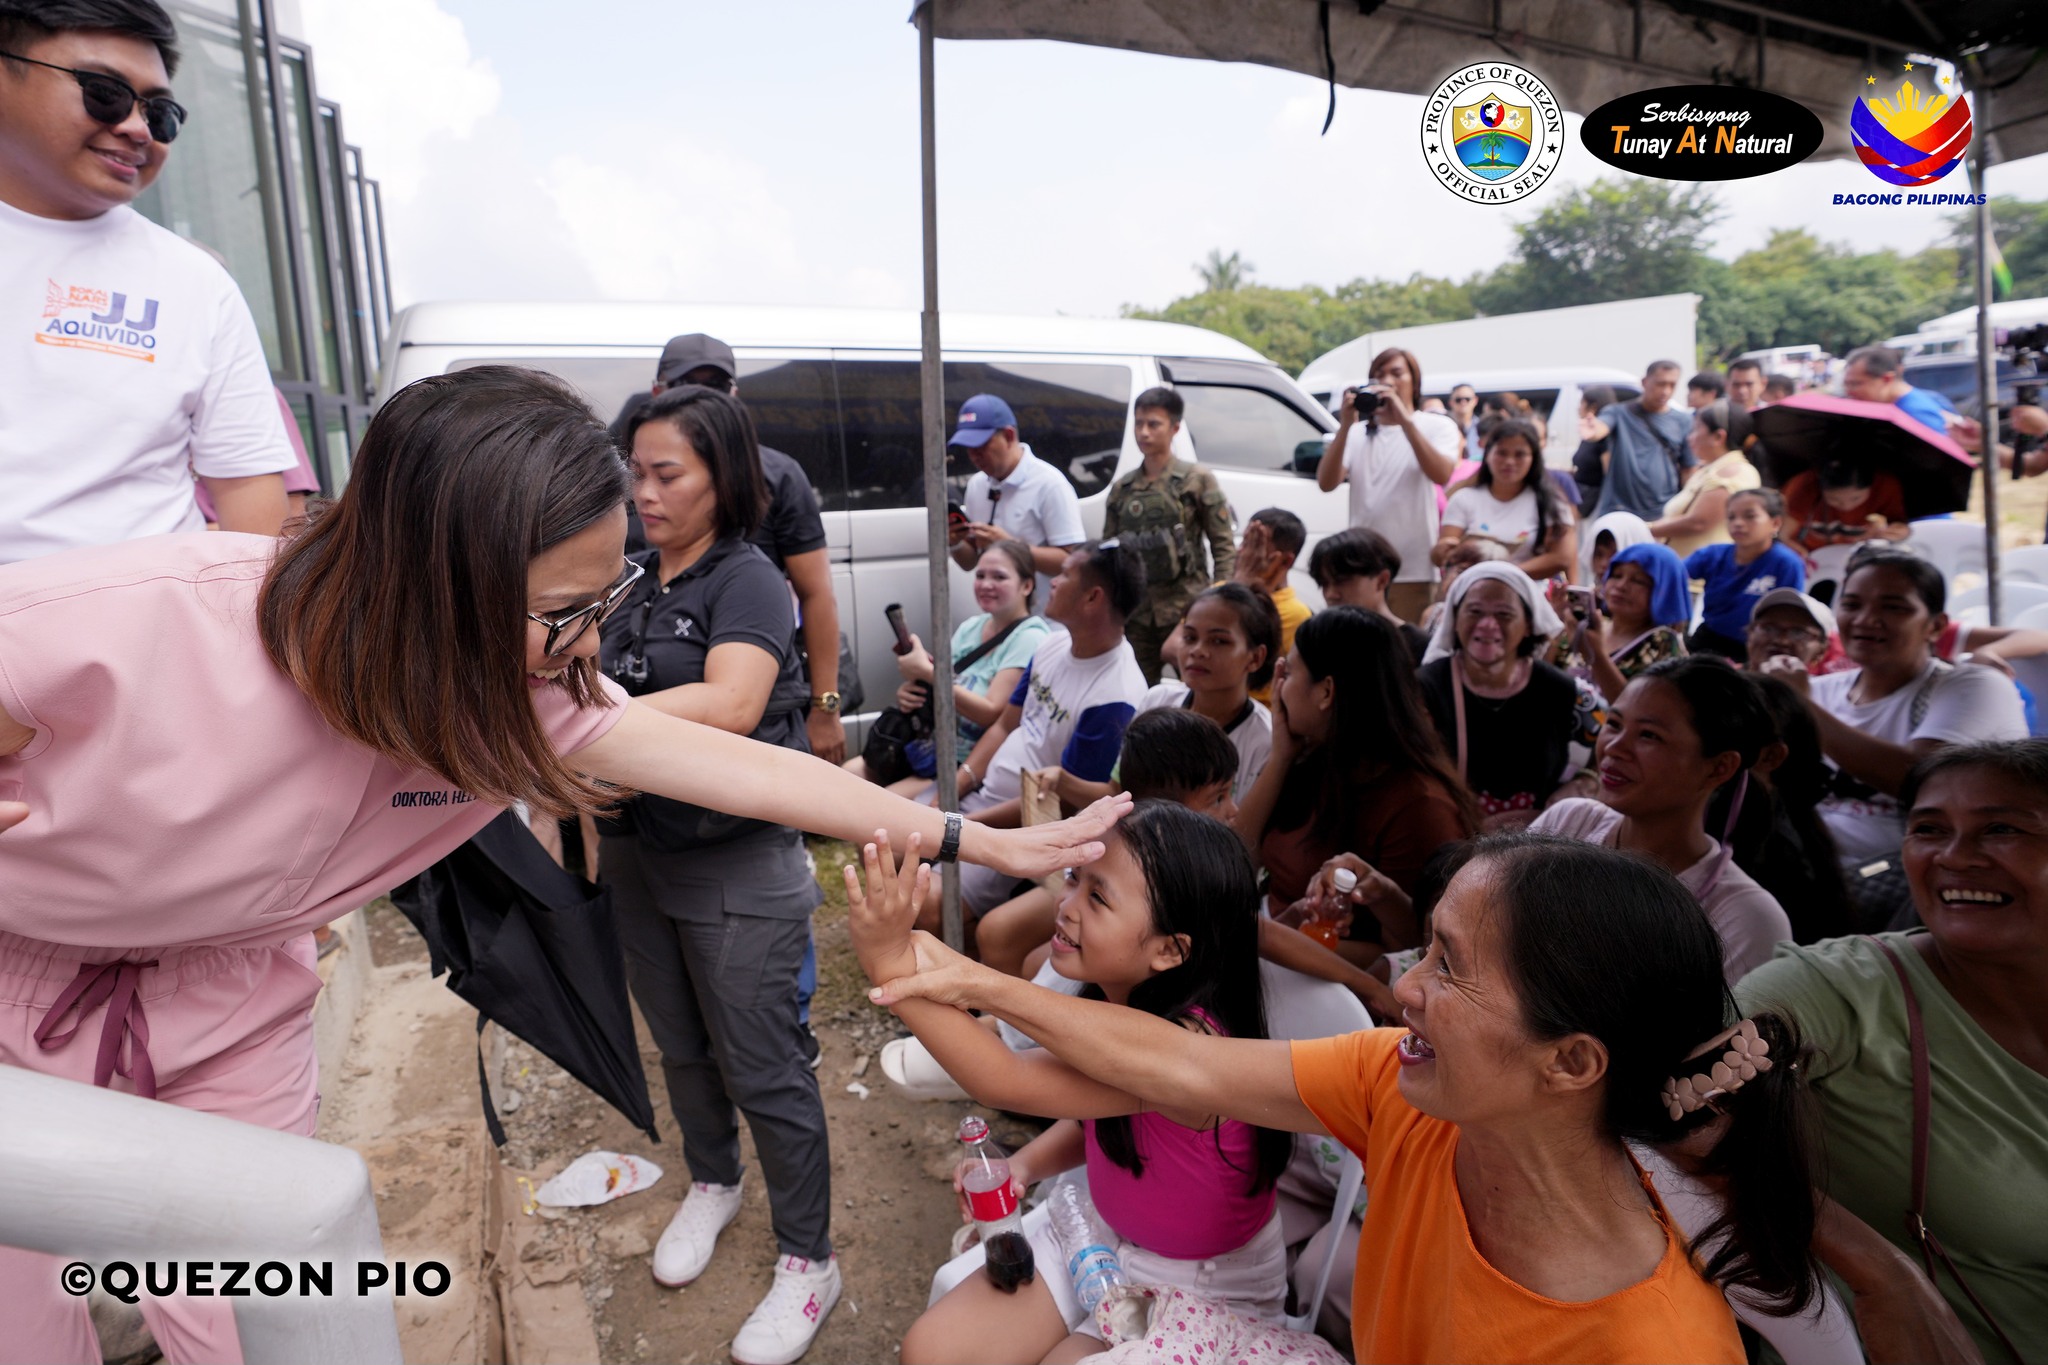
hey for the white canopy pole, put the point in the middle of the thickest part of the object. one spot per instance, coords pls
(944, 715)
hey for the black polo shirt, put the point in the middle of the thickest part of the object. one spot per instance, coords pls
(660, 637)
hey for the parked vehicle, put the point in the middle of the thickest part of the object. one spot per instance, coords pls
(1552, 392)
(839, 390)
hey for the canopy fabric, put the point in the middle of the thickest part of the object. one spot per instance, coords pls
(1588, 51)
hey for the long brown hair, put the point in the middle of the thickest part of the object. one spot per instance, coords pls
(1413, 398)
(400, 610)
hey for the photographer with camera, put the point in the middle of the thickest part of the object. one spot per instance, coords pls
(714, 911)
(1394, 464)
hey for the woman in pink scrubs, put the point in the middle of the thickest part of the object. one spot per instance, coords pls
(222, 741)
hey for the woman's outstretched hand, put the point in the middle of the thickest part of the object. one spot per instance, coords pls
(936, 973)
(12, 813)
(1041, 850)
(880, 917)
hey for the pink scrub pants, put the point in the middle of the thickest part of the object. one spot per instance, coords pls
(225, 1031)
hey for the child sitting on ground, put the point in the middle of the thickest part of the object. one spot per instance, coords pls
(1163, 922)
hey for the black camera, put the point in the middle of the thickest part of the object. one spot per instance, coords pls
(1365, 402)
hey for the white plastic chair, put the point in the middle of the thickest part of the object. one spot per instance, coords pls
(2024, 564)
(2033, 618)
(1955, 544)
(2020, 597)
(1298, 1006)
(1826, 564)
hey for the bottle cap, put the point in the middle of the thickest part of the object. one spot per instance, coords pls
(1344, 879)
(972, 1129)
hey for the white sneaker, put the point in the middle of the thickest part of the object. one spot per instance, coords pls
(685, 1246)
(782, 1327)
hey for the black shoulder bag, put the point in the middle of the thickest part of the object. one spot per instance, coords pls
(892, 732)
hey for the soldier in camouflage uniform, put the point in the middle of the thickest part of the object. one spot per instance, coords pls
(1172, 514)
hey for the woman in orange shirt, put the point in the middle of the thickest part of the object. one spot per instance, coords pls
(1571, 1001)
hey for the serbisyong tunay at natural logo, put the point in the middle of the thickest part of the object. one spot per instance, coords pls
(1492, 132)
(1701, 132)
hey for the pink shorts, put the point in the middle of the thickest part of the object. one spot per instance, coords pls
(229, 1031)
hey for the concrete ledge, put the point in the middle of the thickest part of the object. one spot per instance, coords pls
(345, 976)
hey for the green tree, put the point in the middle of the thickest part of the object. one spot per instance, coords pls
(1612, 239)
(1221, 274)
(2020, 228)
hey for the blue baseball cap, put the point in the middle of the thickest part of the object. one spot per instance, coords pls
(981, 417)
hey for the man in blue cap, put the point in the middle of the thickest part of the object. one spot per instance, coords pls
(1013, 495)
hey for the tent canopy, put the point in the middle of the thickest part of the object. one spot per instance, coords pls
(1589, 51)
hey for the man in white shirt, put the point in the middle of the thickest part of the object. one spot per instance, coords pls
(1013, 494)
(128, 358)
(1394, 461)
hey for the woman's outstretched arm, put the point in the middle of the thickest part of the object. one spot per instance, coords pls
(647, 751)
(1162, 1065)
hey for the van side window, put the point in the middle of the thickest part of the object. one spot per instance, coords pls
(1072, 415)
(791, 401)
(1243, 428)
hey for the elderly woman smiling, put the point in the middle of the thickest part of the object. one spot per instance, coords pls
(1508, 719)
(1976, 854)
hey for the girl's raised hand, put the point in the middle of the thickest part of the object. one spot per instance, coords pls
(879, 918)
(938, 974)
(1041, 850)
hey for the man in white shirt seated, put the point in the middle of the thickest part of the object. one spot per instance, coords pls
(1013, 494)
(1069, 710)
(130, 361)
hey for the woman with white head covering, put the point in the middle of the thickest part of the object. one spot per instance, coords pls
(1508, 719)
(1609, 536)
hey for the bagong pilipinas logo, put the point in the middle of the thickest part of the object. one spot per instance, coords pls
(1911, 138)
(1492, 132)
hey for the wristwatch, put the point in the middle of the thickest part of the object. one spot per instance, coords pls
(827, 702)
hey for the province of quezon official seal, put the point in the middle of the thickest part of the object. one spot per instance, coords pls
(1492, 132)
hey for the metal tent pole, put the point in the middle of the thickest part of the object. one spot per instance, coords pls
(944, 717)
(1987, 356)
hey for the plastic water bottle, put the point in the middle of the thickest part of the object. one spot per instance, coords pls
(1321, 912)
(1092, 1264)
(997, 1219)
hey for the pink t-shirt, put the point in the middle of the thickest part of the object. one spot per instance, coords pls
(1194, 1200)
(181, 789)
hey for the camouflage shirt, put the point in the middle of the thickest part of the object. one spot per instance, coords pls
(1179, 525)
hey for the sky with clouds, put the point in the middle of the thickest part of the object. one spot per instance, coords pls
(768, 153)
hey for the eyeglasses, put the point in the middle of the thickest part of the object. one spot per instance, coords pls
(109, 100)
(1771, 630)
(567, 627)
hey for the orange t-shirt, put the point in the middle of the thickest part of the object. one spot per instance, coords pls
(1424, 1293)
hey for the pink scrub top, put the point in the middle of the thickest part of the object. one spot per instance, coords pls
(181, 789)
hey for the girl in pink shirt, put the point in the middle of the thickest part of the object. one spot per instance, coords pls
(222, 741)
(1165, 922)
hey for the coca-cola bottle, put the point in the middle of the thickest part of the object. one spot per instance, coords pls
(997, 1219)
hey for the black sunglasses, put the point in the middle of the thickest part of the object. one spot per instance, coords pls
(109, 100)
(579, 619)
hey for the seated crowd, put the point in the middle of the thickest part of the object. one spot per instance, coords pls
(1599, 821)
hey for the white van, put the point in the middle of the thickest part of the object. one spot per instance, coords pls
(839, 390)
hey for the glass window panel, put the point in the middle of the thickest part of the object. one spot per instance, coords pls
(300, 130)
(1239, 428)
(208, 191)
(1073, 416)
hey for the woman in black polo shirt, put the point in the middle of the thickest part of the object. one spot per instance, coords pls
(715, 910)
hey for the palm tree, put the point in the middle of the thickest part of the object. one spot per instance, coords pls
(1491, 145)
(1221, 274)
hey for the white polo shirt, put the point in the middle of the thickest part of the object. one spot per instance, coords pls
(128, 362)
(1035, 504)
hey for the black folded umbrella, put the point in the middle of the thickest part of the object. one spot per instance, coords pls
(534, 949)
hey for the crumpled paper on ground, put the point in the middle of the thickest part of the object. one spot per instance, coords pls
(597, 1178)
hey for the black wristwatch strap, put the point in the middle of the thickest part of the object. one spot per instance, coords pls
(949, 847)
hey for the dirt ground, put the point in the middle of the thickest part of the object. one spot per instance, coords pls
(893, 1209)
